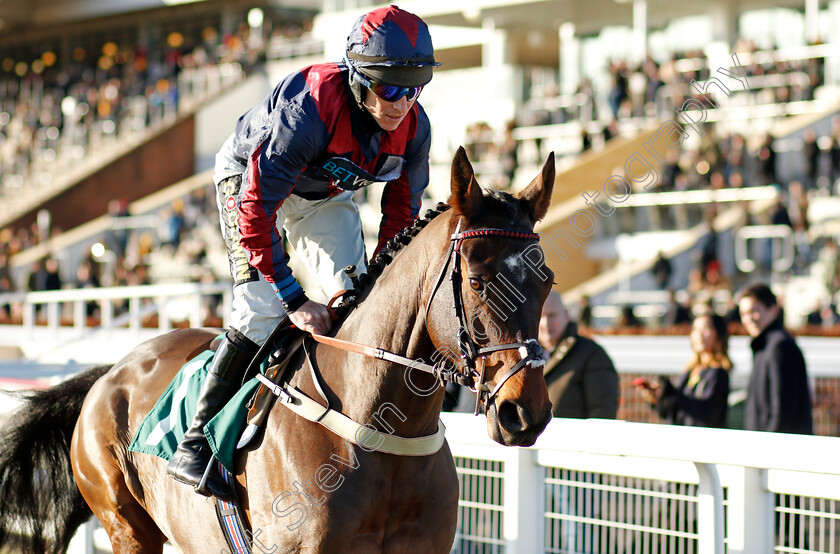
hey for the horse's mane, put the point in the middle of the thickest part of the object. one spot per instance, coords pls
(502, 201)
(393, 247)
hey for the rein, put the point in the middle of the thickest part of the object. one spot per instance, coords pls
(529, 351)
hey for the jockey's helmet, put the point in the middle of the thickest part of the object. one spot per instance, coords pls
(389, 46)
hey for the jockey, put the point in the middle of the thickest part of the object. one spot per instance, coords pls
(291, 167)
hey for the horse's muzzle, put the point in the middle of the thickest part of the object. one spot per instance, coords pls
(510, 423)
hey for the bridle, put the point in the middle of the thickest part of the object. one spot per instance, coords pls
(472, 375)
(473, 355)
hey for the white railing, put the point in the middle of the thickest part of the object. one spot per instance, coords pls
(55, 324)
(599, 486)
(161, 296)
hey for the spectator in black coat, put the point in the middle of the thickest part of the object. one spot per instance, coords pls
(675, 312)
(811, 158)
(661, 271)
(700, 395)
(778, 398)
(767, 161)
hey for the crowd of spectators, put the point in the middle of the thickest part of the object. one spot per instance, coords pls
(62, 109)
(173, 248)
(100, 88)
(56, 110)
(653, 90)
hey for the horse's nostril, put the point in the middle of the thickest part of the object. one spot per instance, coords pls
(513, 417)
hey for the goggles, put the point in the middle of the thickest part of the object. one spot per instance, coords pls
(389, 93)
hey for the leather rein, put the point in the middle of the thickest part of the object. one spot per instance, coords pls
(473, 355)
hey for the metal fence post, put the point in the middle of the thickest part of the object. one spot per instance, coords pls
(750, 524)
(524, 502)
(709, 510)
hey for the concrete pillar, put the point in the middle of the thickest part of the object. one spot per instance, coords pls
(724, 22)
(569, 58)
(639, 30)
(832, 63)
(812, 28)
(495, 50)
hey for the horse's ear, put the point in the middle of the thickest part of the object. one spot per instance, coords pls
(537, 195)
(466, 192)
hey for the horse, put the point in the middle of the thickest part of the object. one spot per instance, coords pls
(304, 488)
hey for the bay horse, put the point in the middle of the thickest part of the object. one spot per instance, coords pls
(367, 501)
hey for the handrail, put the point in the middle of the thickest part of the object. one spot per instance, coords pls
(161, 294)
(681, 197)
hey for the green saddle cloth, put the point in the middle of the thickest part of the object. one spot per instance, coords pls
(166, 424)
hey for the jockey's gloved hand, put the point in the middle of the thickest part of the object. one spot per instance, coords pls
(312, 317)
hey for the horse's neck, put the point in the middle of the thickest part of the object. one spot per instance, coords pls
(392, 317)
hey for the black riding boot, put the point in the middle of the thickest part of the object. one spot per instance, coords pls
(189, 462)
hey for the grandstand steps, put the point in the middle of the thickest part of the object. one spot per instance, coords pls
(789, 135)
(628, 281)
(569, 261)
(630, 278)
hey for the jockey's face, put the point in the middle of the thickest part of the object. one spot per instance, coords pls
(388, 115)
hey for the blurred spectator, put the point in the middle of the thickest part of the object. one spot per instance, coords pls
(778, 396)
(585, 311)
(87, 276)
(172, 225)
(661, 271)
(811, 158)
(707, 246)
(618, 88)
(507, 155)
(44, 275)
(830, 261)
(798, 213)
(675, 312)
(767, 161)
(479, 141)
(669, 172)
(585, 100)
(732, 314)
(824, 315)
(6, 284)
(834, 152)
(117, 238)
(700, 396)
(780, 215)
(627, 318)
(582, 381)
(585, 141)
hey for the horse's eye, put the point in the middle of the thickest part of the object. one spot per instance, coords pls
(476, 284)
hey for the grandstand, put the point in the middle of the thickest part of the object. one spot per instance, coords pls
(111, 113)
